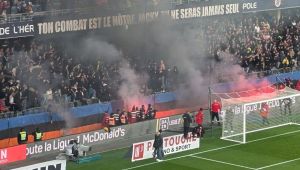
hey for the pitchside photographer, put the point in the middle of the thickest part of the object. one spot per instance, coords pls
(74, 150)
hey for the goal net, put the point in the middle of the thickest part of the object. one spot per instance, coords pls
(263, 109)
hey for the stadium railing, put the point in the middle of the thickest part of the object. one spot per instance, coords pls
(13, 18)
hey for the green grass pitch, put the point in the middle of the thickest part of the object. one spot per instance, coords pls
(273, 149)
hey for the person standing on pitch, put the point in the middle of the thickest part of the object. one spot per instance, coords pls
(187, 120)
(158, 146)
(199, 130)
(287, 105)
(215, 110)
(264, 113)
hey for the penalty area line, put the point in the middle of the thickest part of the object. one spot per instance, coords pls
(211, 150)
(222, 162)
(280, 163)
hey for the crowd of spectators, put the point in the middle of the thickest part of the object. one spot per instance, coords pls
(136, 114)
(35, 72)
(18, 6)
(29, 6)
(257, 42)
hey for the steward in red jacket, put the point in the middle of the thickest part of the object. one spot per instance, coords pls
(199, 117)
(199, 130)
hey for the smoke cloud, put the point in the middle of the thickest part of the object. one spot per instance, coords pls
(130, 81)
(130, 87)
(92, 49)
(185, 46)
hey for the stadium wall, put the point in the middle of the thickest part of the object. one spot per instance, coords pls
(120, 136)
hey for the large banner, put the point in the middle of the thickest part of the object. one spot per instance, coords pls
(100, 20)
(99, 138)
(49, 165)
(183, 12)
(14, 30)
(171, 145)
(12, 154)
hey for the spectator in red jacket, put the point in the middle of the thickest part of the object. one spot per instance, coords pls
(105, 119)
(297, 87)
(215, 110)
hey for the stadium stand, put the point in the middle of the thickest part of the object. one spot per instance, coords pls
(257, 44)
(46, 84)
(260, 44)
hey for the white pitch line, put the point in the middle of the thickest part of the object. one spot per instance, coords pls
(274, 136)
(222, 162)
(280, 163)
(211, 150)
(139, 166)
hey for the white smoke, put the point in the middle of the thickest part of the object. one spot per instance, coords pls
(186, 47)
(130, 89)
(93, 48)
(131, 81)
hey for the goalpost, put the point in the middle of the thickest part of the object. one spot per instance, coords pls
(264, 110)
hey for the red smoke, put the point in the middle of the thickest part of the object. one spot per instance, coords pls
(248, 91)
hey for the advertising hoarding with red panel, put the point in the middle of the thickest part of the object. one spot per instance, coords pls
(12, 154)
(171, 145)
